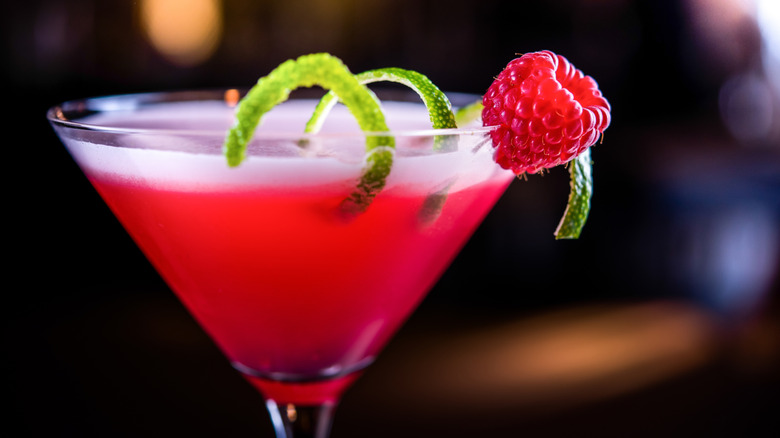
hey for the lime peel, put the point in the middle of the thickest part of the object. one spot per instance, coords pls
(469, 113)
(328, 72)
(437, 103)
(439, 111)
(578, 206)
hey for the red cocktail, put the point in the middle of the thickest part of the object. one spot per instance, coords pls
(298, 296)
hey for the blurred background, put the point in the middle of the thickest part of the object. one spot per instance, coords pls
(662, 320)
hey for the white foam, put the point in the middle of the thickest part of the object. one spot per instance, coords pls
(194, 161)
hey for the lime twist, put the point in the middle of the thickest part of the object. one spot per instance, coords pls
(578, 206)
(330, 73)
(437, 103)
(439, 112)
(469, 113)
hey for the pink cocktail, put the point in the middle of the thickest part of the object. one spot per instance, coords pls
(299, 297)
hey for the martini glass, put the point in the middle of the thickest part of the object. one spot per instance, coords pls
(300, 297)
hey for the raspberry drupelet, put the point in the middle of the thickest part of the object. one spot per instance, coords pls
(547, 112)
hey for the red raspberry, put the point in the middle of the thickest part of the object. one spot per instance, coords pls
(547, 112)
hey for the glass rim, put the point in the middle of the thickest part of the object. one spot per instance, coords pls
(130, 101)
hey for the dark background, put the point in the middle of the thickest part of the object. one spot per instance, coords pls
(662, 319)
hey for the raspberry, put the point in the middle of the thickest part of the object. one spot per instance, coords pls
(547, 112)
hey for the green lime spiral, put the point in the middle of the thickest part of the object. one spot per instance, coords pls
(328, 72)
(439, 106)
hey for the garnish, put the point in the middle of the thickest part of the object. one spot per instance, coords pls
(547, 113)
(578, 206)
(467, 114)
(439, 112)
(330, 73)
(439, 107)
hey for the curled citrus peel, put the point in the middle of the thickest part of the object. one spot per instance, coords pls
(578, 206)
(437, 103)
(328, 72)
(469, 113)
(439, 111)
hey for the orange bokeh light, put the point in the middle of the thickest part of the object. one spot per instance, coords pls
(186, 32)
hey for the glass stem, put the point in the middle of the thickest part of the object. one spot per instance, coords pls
(295, 421)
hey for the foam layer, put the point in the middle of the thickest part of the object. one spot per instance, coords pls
(178, 146)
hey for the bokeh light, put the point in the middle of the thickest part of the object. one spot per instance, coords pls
(186, 32)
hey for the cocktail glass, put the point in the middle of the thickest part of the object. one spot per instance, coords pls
(299, 296)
